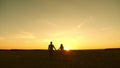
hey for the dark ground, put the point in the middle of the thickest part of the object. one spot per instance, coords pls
(71, 59)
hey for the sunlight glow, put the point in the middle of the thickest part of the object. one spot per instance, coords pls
(68, 42)
(67, 49)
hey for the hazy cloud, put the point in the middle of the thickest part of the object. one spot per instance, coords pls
(25, 35)
(106, 29)
(2, 38)
(85, 21)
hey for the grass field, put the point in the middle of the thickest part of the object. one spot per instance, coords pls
(71, 59)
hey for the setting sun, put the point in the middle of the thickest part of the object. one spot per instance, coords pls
(67, 49)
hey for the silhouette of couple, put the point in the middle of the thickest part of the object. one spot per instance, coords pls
(51, 48)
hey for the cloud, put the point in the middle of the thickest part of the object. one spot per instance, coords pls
(80, 25)
(106, 29)
(25, 35)
(84, 22)
(2, 38)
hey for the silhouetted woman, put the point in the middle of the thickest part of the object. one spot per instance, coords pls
(61, 49)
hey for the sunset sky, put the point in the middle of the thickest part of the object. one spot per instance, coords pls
(77, 24)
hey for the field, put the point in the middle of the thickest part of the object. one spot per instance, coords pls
(71, 59)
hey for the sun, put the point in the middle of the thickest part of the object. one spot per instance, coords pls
(67, 49)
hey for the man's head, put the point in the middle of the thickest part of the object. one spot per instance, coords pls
(50, 42)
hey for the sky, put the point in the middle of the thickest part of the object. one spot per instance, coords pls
(77, 24)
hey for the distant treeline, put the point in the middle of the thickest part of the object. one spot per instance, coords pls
(45, 49)
(22, 49)
(112, 49)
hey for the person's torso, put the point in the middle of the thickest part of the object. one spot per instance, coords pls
(51, 47)
(61, 48)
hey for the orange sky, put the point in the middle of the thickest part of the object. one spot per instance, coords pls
(77, 24)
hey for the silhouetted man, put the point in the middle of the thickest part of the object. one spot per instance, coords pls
(51, 49)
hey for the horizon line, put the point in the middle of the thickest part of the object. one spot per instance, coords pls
(65, 49)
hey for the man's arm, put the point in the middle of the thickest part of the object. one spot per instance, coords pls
(54, 47)
(48, 47)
